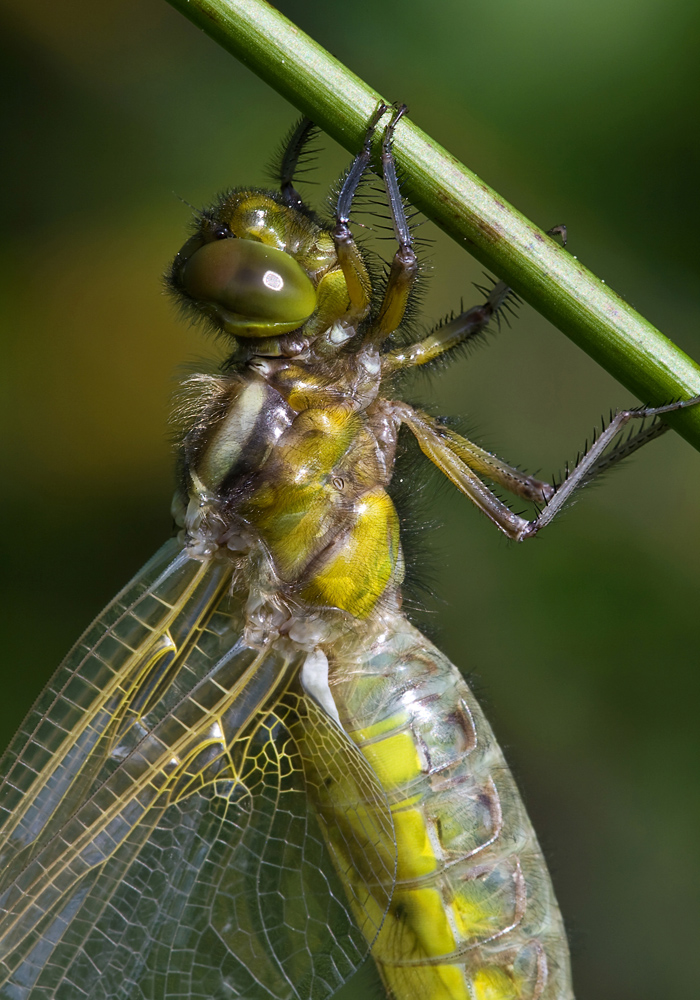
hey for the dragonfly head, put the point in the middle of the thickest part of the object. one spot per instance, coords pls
(252, 267)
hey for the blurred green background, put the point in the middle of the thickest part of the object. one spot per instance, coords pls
(583, 645)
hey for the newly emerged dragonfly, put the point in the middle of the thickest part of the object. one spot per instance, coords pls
(252, 770)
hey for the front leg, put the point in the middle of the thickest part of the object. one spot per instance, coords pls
(404, 266)
(349, 257)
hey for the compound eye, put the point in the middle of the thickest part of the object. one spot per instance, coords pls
(249, 286)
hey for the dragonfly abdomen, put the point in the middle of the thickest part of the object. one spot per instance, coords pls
(473, 915)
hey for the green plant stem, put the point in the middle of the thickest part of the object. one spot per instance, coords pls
(542, 272)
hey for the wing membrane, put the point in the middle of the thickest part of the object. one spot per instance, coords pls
(70, 730)
(180, 819)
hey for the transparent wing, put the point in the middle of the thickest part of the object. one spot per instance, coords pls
(179, 820)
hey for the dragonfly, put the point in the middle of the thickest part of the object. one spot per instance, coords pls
(252, 771)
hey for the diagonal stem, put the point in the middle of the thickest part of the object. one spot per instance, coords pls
(543, 273)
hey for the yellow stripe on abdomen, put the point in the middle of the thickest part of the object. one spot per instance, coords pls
(438, 910)
(473, 915)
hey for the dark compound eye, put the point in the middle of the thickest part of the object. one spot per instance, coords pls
(222, 233)
(249, 285)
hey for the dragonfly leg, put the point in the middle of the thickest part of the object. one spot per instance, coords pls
(488, 465)
(404, 266)
(597, 458)
(436, 442)
(458, 331)
(302, 133)
(464, 463)
(560, 231)
(354, 271)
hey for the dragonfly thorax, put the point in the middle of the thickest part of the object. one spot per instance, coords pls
(293, 458)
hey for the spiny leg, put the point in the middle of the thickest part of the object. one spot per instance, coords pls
(628, 445)
(477, 459)
(351, 263)
(458, 331)
(482, 462)
(460, 466)
(595, 460)
(436, 444)
(302, 133)
(404, 266)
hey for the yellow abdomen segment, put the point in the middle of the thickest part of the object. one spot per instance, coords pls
(458, 926)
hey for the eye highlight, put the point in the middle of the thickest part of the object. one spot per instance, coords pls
(252, 289)
(273, 281)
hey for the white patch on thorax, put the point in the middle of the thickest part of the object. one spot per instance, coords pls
(308, 632)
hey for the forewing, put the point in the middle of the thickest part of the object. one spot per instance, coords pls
(178, 821)
(92, 707)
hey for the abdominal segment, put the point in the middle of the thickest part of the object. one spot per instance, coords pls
(473, 915)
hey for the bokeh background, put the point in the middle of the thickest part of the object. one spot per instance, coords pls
(583, 645)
